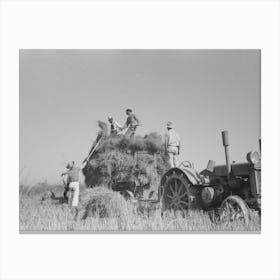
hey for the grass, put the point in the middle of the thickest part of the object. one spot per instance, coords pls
(121, 215)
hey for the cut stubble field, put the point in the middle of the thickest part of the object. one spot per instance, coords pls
(102, 210)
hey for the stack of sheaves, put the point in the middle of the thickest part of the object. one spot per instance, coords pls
(120, 161)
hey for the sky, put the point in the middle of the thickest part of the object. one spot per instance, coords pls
(63, 93)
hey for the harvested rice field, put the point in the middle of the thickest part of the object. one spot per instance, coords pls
(42, 209)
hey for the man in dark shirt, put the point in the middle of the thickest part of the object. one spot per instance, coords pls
(131, 123)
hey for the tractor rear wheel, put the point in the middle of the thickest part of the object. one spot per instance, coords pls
(177, 193)
(234, 209)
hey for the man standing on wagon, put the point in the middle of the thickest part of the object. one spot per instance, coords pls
(115, 128)
(172, 145)
(131, 123)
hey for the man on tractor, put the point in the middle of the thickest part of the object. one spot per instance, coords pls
(172, 145)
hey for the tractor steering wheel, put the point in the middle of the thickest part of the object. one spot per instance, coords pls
(186, 163)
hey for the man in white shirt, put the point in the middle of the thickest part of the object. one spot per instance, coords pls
(172, 145)
(71, 181)
(115, 128)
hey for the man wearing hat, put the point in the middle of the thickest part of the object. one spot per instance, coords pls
(172, 144)
(131, 123)
(115, 128)
(73, 182)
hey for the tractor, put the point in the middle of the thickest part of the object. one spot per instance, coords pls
(229, 190)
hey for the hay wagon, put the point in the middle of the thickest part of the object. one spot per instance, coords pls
(132, 167)
(139, 184)
(229, 191)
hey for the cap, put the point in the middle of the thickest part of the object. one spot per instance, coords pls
(70, 165)
(170, 125)
(128, 110)
(110, 118)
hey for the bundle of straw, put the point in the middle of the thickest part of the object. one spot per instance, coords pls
(118, 159)
(101, 202)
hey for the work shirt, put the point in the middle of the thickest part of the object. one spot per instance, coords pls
(115, 127)
(73, 174)
(132, 121)
(172, 138)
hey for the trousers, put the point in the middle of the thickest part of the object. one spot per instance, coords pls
(172, 152)
(75, 189)
(130, 132)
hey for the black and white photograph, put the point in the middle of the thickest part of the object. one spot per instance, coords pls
(140, 140)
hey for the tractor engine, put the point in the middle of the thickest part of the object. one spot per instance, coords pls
(212, 195)
(242, 179)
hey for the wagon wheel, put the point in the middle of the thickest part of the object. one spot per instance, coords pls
(233, 209)
(177, 193)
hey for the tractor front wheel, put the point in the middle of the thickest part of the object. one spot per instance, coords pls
(234, 209)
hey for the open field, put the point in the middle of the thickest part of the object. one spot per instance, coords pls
(121, 215)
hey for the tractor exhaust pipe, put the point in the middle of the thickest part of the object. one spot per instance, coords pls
(226, 144)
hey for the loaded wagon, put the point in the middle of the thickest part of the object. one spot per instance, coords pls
(230, 191)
